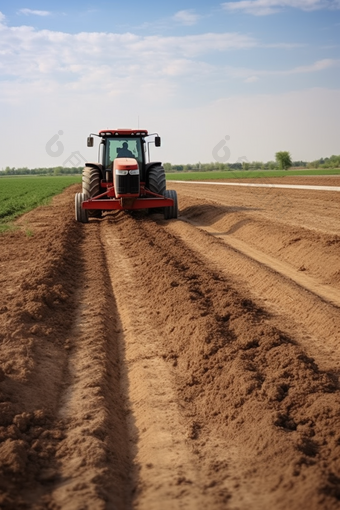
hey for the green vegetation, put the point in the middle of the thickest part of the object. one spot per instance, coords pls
(239, 174)
(58, 170)
(322, 163)
(283, 160)
(21, 194)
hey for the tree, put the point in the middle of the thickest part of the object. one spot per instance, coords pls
(167, 167)
(284, 160)
(256, 165)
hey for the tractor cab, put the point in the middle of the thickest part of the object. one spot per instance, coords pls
(122, 147)
(125, 143)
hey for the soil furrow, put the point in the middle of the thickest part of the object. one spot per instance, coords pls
(306, 315)
(247, 392)
(163, 466)
(94, 456)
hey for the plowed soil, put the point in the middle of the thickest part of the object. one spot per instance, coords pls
(183, 364)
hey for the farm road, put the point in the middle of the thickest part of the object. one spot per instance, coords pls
(262, 185)
(185, 364)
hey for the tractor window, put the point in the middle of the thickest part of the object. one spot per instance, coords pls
(123, 148)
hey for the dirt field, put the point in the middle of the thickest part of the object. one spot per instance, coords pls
(185, 364)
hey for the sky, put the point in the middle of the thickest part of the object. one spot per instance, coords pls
(218, 81)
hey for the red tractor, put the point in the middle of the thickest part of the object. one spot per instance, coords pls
(124, 179)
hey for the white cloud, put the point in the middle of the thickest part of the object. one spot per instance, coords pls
(251, 79)
(191, 45)
(266, 7)
(319, 65)
(30, 55)
(80, 61)
(28, 12)
(252, 75)
(186, 17)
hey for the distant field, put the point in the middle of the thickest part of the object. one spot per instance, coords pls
(21, 194)
(242, 174)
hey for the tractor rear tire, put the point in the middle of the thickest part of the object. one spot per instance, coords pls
(171, 211)
(80, 213)
(156, 181)
(91, 187)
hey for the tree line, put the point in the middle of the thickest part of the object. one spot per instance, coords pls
(282, 161)
(58, 170)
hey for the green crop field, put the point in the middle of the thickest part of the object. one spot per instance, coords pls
(21, 194)
(249, 174)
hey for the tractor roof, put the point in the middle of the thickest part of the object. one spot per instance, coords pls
(123, 132)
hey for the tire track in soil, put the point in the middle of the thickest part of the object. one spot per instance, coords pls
(261, 417)
(163, 471)
(94, 461)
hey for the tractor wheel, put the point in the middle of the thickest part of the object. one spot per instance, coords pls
(156, 180)
(91, 187)
(156, 183)
(80, 213)
(172, 211)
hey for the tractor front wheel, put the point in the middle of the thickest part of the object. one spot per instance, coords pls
(80, 213)
(171, 211)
